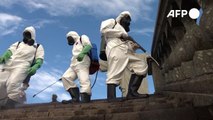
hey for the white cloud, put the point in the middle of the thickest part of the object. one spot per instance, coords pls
(9, 23)
(43, 79)
(41, 22)
(89, 7)
(62, 59)
(63, 96)
(35, 5)
(7, 3)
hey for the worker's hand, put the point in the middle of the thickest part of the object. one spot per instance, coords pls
(1, 60)
(133, 45)
(6, 56)
(125, 37)
(80, 57)
(35, 67)
(129, 38)
(136, 46)
(148, 56)
(85, 50)
(24, 86)
(32, 70)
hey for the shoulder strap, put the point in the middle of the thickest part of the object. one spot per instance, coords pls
(37, 46)
(81, 42)
(35, 53)
(36, 49)
(18, 44)
(114, 24)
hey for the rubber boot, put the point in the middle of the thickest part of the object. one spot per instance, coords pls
(85, 98)
(74, 93)
(10, 104)
(134, 84)
(111, 92)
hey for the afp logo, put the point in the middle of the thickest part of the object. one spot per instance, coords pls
(194, 13)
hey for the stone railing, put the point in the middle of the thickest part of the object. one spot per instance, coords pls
(184, 50)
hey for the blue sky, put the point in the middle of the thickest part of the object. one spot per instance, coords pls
(54, 18)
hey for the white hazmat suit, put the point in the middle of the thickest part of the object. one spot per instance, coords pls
(78, 69)
(117, 53)
(15, 70)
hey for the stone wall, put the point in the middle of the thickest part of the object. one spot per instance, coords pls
(184, 50)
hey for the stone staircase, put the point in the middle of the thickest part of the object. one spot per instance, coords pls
(156, 107)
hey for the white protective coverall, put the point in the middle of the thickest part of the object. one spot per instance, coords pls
(117, 51)
(78, 69)
(127, 73)
(16, 68)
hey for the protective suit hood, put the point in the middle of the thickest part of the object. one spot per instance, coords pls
(73, 34)
(109, 23)
(31, 29)
(121, 15)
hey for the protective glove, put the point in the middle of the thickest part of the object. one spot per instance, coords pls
(1, 60)
(128, 38)
(35, 67)
(81, 57)
(6, 56)
(85, 50)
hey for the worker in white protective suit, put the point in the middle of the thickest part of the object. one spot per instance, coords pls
(118, 57)
(20, 61)
(79, 67)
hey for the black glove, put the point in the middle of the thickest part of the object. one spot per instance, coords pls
(125, 38)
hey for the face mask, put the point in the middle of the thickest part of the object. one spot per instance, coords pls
(125, 22)
(27, 38)
(30, 42)
(70, 40)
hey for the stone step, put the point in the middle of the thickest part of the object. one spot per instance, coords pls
(93, 104)
(96, 107)
(152, 108)
(160, 114)
(107, 109)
